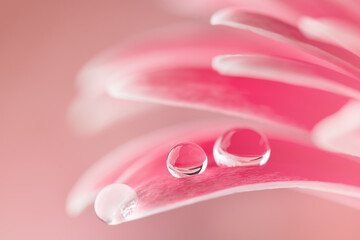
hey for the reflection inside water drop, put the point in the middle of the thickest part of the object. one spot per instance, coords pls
(186, 159)
(115, 203)
(241, 147)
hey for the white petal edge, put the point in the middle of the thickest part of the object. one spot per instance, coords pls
(287, 71)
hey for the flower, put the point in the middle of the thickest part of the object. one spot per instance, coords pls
(294, 76)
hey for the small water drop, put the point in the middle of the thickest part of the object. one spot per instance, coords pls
(241, 147)
(186, 159)
(115, 203)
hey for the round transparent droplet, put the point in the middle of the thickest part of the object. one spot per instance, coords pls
(241, 147)
(186, 159)
(115, 203)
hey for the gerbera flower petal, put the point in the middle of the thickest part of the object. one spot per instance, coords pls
(277, 29)
(333, 31)
(205, 89)
(339, 132)
(93, 110)
(288, 71)
(338, 9)
(142, 166)
(174, 68)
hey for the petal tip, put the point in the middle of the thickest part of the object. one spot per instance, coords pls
(215, 63)
(220, 16)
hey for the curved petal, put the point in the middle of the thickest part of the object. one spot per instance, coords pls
(174, 46)
(93, 110)
(290, 166)
(346, 10)
(111, 167)
(332, 31)
(289, 11)
(202, 88)
(292, 10)
(287, 71)
(282, 31)
(339, 9)
(339, 132)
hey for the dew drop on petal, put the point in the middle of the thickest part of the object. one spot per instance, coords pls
(115, 203)
(241, 147)
(186, 159)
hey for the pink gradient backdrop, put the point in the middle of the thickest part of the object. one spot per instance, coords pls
(43, 44)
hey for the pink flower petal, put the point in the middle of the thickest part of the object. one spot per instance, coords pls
(332, 31)
(340, 132)
(202, 88)
(111, 167)
(287, 71)
(289, 11)
(276, 29)
(168, 72)
(142, 166)
(339, 9)
(92, 110)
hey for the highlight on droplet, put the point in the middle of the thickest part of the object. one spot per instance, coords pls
(115, 203)
(241, 147)
(186, 159)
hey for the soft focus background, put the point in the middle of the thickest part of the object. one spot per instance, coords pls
(43, 44)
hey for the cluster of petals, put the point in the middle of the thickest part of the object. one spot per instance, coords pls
(288, 68)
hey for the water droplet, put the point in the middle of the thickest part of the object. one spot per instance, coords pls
(186, 159)
(241, 147)
(115, 203)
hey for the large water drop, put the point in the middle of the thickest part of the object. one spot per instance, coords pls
(241, 147)
(186, 159)
(115, 203)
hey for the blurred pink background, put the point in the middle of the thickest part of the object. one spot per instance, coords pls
(43, 44)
